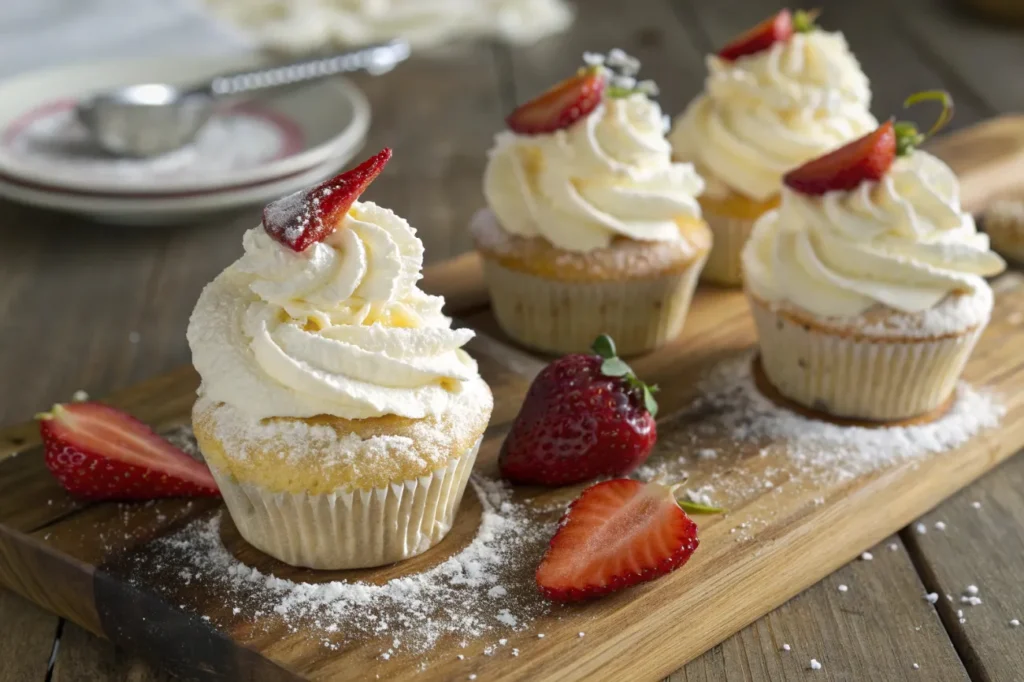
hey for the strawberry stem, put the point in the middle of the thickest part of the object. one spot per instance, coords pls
(803, 20)
(614, 366)
(908, 137)
(695, 508)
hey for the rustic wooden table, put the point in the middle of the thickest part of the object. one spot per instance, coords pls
(97, 308)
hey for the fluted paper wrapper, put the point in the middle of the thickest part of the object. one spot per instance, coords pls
(565, 317)
(724, 266)
(344, 530)
(879, 379)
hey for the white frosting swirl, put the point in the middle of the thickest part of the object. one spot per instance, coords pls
(902, 242)
(766, 113)
(338, 329)
(608, 175)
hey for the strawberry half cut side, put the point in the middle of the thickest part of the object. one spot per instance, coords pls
(562, 105)
(616, 534)
(97, 452)
(865, 159)
(307, 217)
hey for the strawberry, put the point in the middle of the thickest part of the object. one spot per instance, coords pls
(306, 217)
(585, 415)
(775, 29)
(562, 105)
(99, 453)
(616, 534)
(867, 158)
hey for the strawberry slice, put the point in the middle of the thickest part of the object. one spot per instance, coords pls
(562, 105)
(99, 453)
(307, 217)
(616, 534)
(774, 29)
(866, 158)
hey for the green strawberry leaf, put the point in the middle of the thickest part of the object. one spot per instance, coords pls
(604, 346)
(615, 367)
(696, 508)
(649, 402)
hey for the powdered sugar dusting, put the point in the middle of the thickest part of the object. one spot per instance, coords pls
(487, 587)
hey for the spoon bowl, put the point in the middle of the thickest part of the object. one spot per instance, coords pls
(145, 120)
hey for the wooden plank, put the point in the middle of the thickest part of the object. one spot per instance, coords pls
(875, 630)
(84, 656)
(27, 639)
(980, 542)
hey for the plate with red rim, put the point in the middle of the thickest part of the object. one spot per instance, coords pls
(282, 133)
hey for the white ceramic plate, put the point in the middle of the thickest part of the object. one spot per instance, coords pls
(282, 133)
(169, 210)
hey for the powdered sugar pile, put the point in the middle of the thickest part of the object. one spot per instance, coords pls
(468, 595)
(732, 409)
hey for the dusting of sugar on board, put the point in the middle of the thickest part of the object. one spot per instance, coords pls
(481, 589)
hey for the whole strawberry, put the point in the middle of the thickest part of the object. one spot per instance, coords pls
(585, 415)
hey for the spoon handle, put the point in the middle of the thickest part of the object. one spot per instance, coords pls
(375, 59)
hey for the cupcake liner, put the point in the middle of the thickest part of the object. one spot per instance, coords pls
(853, 375)
(565, 317)
(354, 529)
(724, 266)
(1004, 223)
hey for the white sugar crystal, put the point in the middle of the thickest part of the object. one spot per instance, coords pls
(973, 601)
(786, 647)
(972, 590)
(1014, 623)
(707, 453)
(915, 666)
(976, 504)
(893, 546)
(843, 588)
(79, 396)
(867, 556)
(921, 529)
(940, 525)
(932, 597)
(648, 87)
(540, 635)
(815, 665)
(593, 58)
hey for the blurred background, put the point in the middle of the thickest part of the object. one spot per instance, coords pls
(102, 256)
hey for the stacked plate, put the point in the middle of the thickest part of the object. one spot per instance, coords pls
(249, 153)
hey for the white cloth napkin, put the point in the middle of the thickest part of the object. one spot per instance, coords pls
(39, 33)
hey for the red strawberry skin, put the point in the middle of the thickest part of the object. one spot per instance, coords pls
(99, 453)
(865, 159)
(307, 217)
(772, 30)
(576, 424)
(617, 534)
(561, 106)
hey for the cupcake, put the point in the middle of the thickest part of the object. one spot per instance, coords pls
(591, 227)
(866, 284)
(337, 409)
(780, 95)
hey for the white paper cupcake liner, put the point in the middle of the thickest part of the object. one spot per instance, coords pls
(565, 317)
(343, 530)
(724, 266)
(859, 377)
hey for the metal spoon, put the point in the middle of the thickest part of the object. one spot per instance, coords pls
(156, 118)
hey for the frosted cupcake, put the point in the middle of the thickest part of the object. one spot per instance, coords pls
(591, 228)
(867, 284)
(781, 94)
(337, 410)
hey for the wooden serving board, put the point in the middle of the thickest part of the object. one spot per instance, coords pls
(107, 566)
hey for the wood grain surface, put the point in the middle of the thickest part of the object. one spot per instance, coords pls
(71, 293)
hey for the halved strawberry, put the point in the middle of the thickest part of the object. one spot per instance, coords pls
(775, 29)
(616, 534)
(562, 105)
(99, 453)
(866, 158)
(869, 157)
(306, 217)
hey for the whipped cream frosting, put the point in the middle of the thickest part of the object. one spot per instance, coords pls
(608, 175)
(338, 329)
(303, 25)
(766, 113)
(902, 242)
